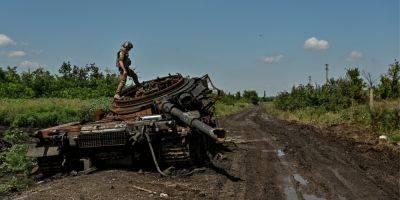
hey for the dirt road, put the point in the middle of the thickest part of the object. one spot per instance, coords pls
(275, 160)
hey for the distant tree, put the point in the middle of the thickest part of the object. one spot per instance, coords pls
(354, 85)
(42, 82)
(251, 95)
(94, 71)
(394, 76)
(389, 86)
(237, 95)
(65, 70)
(2, 75)
(27, 79)
(12, 75)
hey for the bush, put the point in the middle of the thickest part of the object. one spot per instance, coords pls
(16, 136)
(332, 96)
(14, 160)
(385, 119)
(14, 164)
(251, 96)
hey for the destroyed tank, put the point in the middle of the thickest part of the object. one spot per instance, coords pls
(168, 121)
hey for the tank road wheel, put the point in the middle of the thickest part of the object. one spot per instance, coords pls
(49, 165)
(174, 153)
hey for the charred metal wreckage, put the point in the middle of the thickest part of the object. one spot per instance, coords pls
(167, 121)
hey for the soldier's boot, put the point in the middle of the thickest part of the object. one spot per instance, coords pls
(121, 84)
(136, 79)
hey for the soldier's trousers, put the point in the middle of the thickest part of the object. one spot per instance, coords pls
(123, 77)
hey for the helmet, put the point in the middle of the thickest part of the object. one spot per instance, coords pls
(127, 45)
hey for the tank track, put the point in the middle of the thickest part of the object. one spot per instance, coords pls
(174, 153)
(49, 165)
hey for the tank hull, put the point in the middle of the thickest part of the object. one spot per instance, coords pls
(137, 127)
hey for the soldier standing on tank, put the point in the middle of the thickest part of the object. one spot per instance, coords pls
(123, 63)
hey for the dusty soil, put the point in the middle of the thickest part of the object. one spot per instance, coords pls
(274, 159)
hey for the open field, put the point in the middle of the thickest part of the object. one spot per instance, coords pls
(44, 112)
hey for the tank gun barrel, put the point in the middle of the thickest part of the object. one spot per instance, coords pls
(217, 134)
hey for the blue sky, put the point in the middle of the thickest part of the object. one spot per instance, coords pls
(262, 45)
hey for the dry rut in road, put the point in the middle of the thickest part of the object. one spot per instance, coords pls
(275, 160)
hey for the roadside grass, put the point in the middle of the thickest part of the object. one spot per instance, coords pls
(44, 112)
(34, 113)
(14, 164)
(224, 109)
(383, 120)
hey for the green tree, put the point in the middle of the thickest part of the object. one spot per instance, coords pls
(12, 75)
(354, 84)
(2, 75)
(251, 96)
(43, 82)
(389, 86)
(65, 70)
(394, 76)
(237, 95)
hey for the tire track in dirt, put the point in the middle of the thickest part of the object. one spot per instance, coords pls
(256, 164)
(330, 168)
(292, 161)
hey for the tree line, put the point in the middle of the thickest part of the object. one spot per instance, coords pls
(72, 82)
(91, 82)
(76, 82)
(337, 94)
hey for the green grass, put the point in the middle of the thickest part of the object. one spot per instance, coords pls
(384, 119)
(14, 168)
(14, 164)
(222, 109)
(43, 112)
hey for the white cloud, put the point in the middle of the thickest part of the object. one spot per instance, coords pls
(13, 54)
(314, 44)
(272, 59)
(28, 63)
(354, 56)
(5, 40)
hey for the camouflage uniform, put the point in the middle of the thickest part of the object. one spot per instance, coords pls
(123, 56)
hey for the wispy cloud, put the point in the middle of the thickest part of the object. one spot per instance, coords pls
(28, 63)
(354, 56)
(272, 59)
(315, 44)
(13, 54)
(5, 40)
